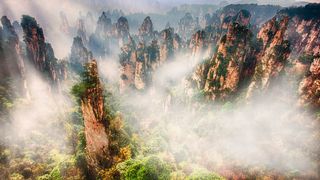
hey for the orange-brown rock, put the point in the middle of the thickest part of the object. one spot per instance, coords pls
(39, 53)
(274, 54)
(227, 65)
(128, 58)
(92, 106)
(309, 89)
(166, 45)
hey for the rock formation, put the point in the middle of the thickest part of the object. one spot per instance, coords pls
(309, 89)
(12, 63)
(39, 53)
(260, 13)
(81, 31)
(100, 43)
(140, 59)
(274, 54)
(128, 58)
(227, 66)
(166, 45)
(146, 33)
(188, 25)
(96, 134)
(122, 31)
(64, 26)
(79, 54)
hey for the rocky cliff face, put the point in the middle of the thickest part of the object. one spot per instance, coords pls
(122, 31)
(138, 62)
(167, 42)
(100, 43)
(128, 58)
(64, 26)
(260, 13)
(39, 53)
(79, 54)
(92, 106)
(202, 46)
(12, 63)
(273, 57)
(227, 67)
(187, 26)
(290, 38)
(140, 71)
(81, 31)
(146, 32)
(309, 89)
(199, 45)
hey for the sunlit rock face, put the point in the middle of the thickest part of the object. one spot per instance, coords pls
(39, 53)
(227, 67)
(128, 58)
(198, 44)
(146, 32)
(92, 106)
(169, 42)
(304, 36)
(200, 50)
(309, 88)
(203, 44)
(100, 42)
(273, 57)
(140, 71)
(292, 37)
(79, 54)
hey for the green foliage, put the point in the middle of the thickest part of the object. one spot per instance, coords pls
(81, 141)
(55, 174)
(6, 94)
(282, 50)
(28, 24)
(202, 174)
(44, 177)
(306, 58)
(227, 106)
(256, 44)
(200, 95)
(16, 176)
(222, 69)
(80, 155)
(78, 90)
(178, 175)
(86, 81)
(150, 167)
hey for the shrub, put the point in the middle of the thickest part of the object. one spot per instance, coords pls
(202, 174)
(150, 167)
(55, 174)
